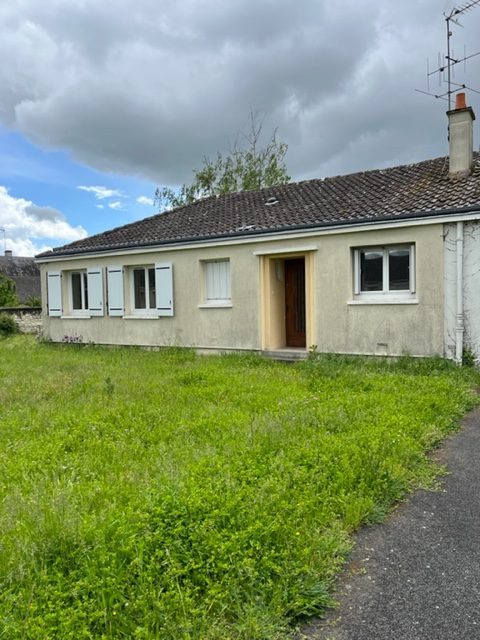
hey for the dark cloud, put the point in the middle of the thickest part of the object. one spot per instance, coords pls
(150, 88)
(44, 213)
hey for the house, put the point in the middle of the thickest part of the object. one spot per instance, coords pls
(25, 274)
(381, 262)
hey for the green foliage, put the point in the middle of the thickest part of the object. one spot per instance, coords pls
(7, 324)
(33, 301)
(164, 495)
(243, 168)
(468, 356)
(8, 296)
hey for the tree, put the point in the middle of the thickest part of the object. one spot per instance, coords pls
(8, 296)
(248, 167)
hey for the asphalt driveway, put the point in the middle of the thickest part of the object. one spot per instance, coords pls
(417, 576)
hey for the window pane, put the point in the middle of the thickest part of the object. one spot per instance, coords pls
(151, 289)
(217, 280)
(399, 269)
(371, 270)
(85, 290)
(139, 288)
(77, 291)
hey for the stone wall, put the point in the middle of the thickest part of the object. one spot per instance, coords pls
(28, 319)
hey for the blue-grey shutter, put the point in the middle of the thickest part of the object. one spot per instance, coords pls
(115, 291)
(54, 293)
(95, 291)
(164, 288)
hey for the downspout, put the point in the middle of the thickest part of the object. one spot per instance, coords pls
(460, 317)
(460, 134)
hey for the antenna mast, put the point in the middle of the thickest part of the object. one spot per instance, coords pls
(451, 60)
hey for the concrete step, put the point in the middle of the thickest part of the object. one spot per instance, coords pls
(286, 355)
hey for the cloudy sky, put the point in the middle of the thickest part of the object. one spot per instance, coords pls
(101, 102)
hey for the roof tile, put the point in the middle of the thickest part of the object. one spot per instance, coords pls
(408, 190)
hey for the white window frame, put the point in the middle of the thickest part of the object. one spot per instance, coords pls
(148, 310)
(223, 296)
(83, 311)
(385, 295)
(91, 281)
(162, 305)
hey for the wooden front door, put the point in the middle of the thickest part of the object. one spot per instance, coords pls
(295, 302)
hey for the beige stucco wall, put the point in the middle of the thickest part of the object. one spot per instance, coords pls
(391, 329)
(222, 327)
(334, 324)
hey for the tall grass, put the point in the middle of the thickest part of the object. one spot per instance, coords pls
(163, 495)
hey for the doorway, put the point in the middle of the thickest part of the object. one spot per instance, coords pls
(295, 335)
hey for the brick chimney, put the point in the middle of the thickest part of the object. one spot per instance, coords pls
(460, 134)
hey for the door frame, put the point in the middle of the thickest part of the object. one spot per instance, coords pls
(272, 297)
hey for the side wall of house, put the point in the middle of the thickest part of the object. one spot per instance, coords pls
(471, 287)
(337, 320)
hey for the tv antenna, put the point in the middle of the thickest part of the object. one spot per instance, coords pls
(446, 71)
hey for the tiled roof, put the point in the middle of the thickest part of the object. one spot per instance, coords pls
(406, 191)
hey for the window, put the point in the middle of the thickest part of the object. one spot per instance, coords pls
(75, 293)
(144, 288)
(384, 271)
(79, 290)
(217, 282)
(86, 291)
(151, 290)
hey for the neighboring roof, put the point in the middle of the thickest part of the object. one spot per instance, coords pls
(25, 273)
(420, 189)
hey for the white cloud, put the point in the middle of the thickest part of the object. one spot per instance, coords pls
(101, 193)
(116, 205)
(100, 206)
(25, 223)
(145, 200)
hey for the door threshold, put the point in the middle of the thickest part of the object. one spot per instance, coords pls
(286, 354)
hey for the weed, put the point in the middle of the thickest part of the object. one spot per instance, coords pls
(159, 494)
(109, 386)
(72, 339)
(468, 357)
(8, 326)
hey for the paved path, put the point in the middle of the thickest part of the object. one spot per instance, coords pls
(417, 576)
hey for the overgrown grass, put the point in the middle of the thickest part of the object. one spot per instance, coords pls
(163, 495)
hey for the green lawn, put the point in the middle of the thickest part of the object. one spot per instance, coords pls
(164, 495)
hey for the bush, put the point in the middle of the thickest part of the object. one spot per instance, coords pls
(8, 295)
(33, 301)
(7, 324)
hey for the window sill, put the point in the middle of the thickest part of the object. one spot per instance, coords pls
(141, 317)
(77, 317)
(216, 305)
(383, 300)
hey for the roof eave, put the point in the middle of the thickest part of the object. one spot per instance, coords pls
(451, 212)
